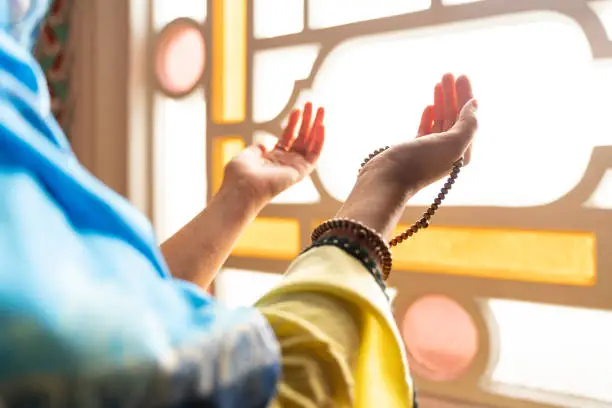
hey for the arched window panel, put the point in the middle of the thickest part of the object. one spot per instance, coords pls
(554, 354)
(180, 160)
(528, 71)
(329, 13)
(274, 74)
(165, 11)
(603, 9)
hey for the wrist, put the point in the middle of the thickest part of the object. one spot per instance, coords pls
(238, 201)
(375, 249)
(245, 191)
(378, 200)
(379, 209)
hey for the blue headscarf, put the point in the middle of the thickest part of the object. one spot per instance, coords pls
(21, 18)
(89, 313)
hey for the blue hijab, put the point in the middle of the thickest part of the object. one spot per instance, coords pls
(89, 314)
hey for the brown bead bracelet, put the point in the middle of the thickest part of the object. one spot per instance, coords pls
(431, 211)
(372, 239)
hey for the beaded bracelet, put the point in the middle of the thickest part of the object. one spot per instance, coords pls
(371, 238)
(356, 251)
(431, 211)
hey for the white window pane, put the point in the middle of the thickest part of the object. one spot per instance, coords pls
(603, 9)
(303, 192)
(528, 71)
(238, 288)
(328, 13)
(180, 161)
(274, 75)
(164, 11)
(602, 196)
(556, 349)
(273, 18)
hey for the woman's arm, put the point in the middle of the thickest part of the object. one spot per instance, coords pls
(197, 251)
(339, 341)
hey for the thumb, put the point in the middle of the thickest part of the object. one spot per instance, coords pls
(464, 129)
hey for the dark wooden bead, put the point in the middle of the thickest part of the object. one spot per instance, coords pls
(444, 190)
(438, 201)
(431, 210)
(404, 235)
(427, 216)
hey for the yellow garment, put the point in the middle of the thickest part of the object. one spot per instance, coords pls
(340, 344)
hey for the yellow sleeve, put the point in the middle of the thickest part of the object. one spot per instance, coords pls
(340, 344)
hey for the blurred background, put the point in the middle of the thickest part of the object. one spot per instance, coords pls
(504, 302)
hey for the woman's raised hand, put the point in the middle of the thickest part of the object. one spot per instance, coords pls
(444, 136)
(263, 174)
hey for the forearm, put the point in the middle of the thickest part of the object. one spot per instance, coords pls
(197, 251)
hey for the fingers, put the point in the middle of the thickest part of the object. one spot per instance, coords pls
(449, 108)
(460, 136)
(319, 117)
(316, 145)
(309, 142)
(302, 141)
(426, 121)
(286, 139)
(463, 88)
(317, 137)
(438, 109)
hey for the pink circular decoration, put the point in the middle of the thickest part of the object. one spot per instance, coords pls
(441, 338)
(180, 57)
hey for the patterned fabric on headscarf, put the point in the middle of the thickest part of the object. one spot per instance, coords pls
(52, 53)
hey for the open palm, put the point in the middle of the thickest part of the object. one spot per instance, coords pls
(268, 173)
(444, 136)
